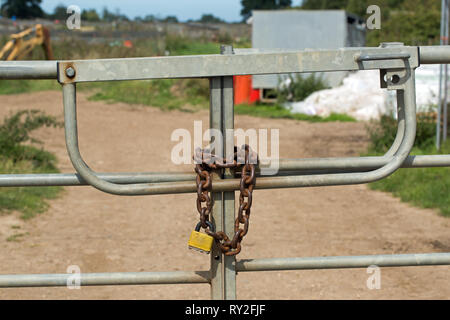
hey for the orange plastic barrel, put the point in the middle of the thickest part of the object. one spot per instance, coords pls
(243, 90)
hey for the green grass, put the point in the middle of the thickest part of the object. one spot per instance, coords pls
(179, 46)
(422, 187)
(195, 48)
(278, 112)
(171, 94)
(29, 201)
(24, 86)
(16, 237)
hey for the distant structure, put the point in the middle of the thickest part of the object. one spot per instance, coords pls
(303, 29)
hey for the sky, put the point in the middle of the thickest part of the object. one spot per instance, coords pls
(228, 10)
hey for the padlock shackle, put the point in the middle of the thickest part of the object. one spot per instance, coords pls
(210, 226)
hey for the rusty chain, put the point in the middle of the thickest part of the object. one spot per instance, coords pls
(205, 161)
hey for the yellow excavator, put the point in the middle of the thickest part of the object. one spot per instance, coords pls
(23, 43)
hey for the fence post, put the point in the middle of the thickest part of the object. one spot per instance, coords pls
(228, 196)
(223, 268)
(215, 122)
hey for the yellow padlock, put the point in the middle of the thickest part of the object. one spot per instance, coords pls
(199, 241)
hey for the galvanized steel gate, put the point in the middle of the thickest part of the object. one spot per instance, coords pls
(397, 64)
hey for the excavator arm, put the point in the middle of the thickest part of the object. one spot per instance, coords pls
(23, 43)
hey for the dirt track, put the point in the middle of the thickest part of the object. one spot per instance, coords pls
(105, 233)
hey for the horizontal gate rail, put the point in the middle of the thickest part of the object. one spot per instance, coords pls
(362, 162)
(303, 166)
(244, 265)
(203, 66)
(49, 69)
(434, 54)
(28, 69)
(103, 279)
(74, 179)
(344, 262)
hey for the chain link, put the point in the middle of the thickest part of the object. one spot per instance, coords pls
(205, 161)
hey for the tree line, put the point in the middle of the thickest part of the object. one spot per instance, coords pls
(410, 21)
(26, 9)
(30, 9)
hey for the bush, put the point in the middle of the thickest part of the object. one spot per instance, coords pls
(298, 88)
(16, 130)
(382, 132)
(17, 158)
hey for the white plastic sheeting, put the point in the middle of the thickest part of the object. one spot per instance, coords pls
(361, 97)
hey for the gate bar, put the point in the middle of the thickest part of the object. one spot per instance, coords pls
(309, 263)
(48, 69)
(434, 54)
(74, 179)
(304, 166)
(420, 161)
(28, 70)
(217, 65)
(103, 279)
(243, 265)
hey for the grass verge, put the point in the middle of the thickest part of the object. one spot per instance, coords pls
(24, 86)
(278, 112)
(422, 187)
(29, 201)
(171, 94)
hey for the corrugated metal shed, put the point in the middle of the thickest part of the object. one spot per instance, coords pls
(303, 29)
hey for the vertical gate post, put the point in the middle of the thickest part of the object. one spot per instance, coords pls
(215, 122)
(223, 268)
(228, 196)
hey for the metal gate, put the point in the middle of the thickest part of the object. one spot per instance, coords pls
(396, 63)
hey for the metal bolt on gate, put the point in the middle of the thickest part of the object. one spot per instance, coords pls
(396, 63)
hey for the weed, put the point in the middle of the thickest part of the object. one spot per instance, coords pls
(16, 237)
(298, 88)
(382, 132)
(18, 158)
